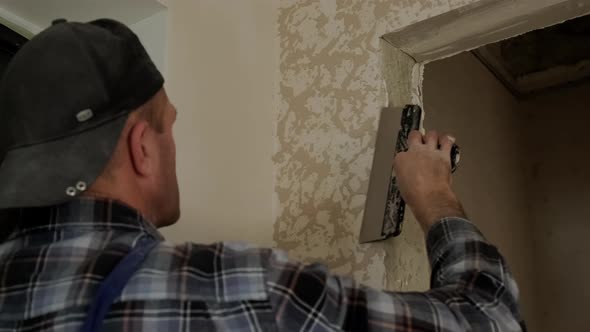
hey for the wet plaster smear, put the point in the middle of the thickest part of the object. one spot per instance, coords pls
(331, 88)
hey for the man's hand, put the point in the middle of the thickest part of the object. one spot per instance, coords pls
(424, 178)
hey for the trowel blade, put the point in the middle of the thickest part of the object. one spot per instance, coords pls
(381, 175)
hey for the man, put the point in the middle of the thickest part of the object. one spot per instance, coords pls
(87, 174)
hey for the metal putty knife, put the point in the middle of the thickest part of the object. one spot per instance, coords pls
(385, 208)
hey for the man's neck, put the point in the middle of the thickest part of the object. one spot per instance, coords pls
(133, 201)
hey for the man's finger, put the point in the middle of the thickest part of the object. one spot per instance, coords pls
(415, 138)
(431, 139)
(446, 144)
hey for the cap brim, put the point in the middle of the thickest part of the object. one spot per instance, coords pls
(40, 175)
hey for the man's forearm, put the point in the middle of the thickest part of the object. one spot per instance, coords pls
(437, 205)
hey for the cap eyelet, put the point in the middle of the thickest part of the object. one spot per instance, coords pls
(71, 191)
(81, 185)
(84, 115)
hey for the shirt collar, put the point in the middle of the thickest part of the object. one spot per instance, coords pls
(83, 213)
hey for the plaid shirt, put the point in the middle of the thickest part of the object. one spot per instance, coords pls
(52, 261)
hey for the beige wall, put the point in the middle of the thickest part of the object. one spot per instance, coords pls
(221, 62)
(560, 200)
(463, 98)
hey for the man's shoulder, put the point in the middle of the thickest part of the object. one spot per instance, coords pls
(217, 255)
(217, 272)
(211, 259)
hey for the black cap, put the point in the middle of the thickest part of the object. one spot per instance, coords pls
(64, 100)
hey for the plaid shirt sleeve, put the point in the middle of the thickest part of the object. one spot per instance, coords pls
(471, 290)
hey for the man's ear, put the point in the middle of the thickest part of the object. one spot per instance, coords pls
(139, 151)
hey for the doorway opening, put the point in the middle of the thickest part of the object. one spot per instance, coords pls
(520, 110)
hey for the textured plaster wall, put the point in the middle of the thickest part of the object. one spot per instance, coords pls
(330, 92)
(560, 196)
(463, 98)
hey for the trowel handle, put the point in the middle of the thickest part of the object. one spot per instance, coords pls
(411, 120)
(455, 157)
(395, 205)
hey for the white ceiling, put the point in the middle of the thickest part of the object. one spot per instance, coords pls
(40, 13)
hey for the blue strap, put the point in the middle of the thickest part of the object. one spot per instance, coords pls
(113, 284)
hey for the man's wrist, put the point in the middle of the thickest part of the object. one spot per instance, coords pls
(437, 205)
